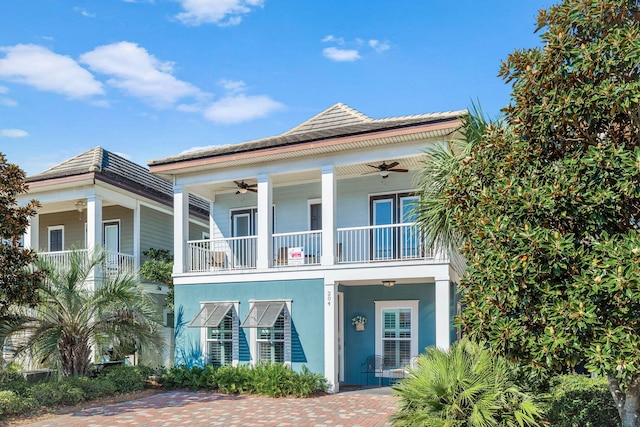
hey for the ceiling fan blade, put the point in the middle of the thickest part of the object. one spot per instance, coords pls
(392, 165)
(237, 192)
(239, 184)
(398, 170)
(374, 166)
(252, 190)
(251, 185)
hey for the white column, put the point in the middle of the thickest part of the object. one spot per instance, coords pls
(265, 219)
(32, 234)
(214, 230)
(180, 227)
(443, 313)
(136, 236)
(94, 234)
(331, 335)
(328, 215)
(94, 222)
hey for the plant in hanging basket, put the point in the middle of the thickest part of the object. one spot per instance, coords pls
(358, 319)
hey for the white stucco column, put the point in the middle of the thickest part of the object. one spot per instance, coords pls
(180, 227)
(265, 219)
(136, 236)
(443, 313)
(331, 335)
(214, 229)
(328, 215)
(32, 234)
(94, 234)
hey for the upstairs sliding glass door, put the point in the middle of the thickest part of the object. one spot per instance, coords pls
(390, 240)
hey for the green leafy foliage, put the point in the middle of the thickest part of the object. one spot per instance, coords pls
(159, 268)
(465, 386)
(126, 379)
(12, 403)
(18, 279)
(580, 401)
(275, 380)
(547, 205)
(14, 381)
(71, 317)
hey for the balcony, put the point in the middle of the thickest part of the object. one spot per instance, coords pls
(114, 263)
(367, 244)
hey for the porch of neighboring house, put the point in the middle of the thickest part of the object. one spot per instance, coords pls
(82, 224)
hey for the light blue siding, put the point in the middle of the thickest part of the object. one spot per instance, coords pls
(307, 315)
(360, 300)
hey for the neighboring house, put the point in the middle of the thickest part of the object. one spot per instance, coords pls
(99, 198)
(305, 229)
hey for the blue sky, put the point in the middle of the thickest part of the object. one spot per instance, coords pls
(152, 78)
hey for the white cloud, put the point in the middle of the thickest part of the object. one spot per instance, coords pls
(84, 12)
(45, 70)
(233, 86)
(13, 133)
(379, 46)
(332, 39)
(219, 12)
(341, 55)
(139, 73)
(196, 149)
(8, 102)
(4, 89)
(241, 108)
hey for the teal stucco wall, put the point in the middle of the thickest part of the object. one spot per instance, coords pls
(359, 300)
(307, 316)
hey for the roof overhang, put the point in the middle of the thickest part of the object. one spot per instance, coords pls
(177, 165)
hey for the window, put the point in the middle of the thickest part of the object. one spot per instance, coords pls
(56, 238)
(394, 242)
(219, 322)
(271, 335)
(396, 332)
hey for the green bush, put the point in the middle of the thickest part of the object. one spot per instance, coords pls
(274, 380)
(15, 382)
(581, 401)
(54, 393)
(465, 386)
(92, 388)
(12, 403)
(126, 379)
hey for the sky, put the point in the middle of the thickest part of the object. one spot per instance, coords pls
(148, 79)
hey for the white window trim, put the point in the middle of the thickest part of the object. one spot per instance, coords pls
(253, 333)
(49, 230)
(382, 305)
(205, 235)
(235, 335)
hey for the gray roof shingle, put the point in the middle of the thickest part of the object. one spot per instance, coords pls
(339, 120)
(116, 170)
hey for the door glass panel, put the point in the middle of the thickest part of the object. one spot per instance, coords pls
(111, 241)
(383, 237)
(409, 240)
(242, 247)
(55, 240)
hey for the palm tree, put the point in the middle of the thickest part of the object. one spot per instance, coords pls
(434, 215)
(73, 319)
(465, 386)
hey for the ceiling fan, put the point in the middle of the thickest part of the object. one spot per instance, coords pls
(383, 169)
(243, 187)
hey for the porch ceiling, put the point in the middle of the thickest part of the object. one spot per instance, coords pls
(67, 205)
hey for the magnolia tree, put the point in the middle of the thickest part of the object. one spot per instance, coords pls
(547, 206)
(18, 281)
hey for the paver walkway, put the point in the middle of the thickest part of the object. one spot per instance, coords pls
(179, 408)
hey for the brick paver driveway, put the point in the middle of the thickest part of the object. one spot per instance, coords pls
(358, 408)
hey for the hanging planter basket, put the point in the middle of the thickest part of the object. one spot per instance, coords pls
(359, 326)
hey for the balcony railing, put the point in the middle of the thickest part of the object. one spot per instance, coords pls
(234, 253)
(114, 263)
(367, 244)
(377, 243)
(295, 249)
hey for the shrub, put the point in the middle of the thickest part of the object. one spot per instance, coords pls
(54, 393)
(194, 378)
(238, 379)
(125, 379)
(465, 386)
(581, 401)
(12, 403)
(92, 388)
(15, 382)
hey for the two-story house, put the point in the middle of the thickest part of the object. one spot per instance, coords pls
(307, 230)
(99, 198)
